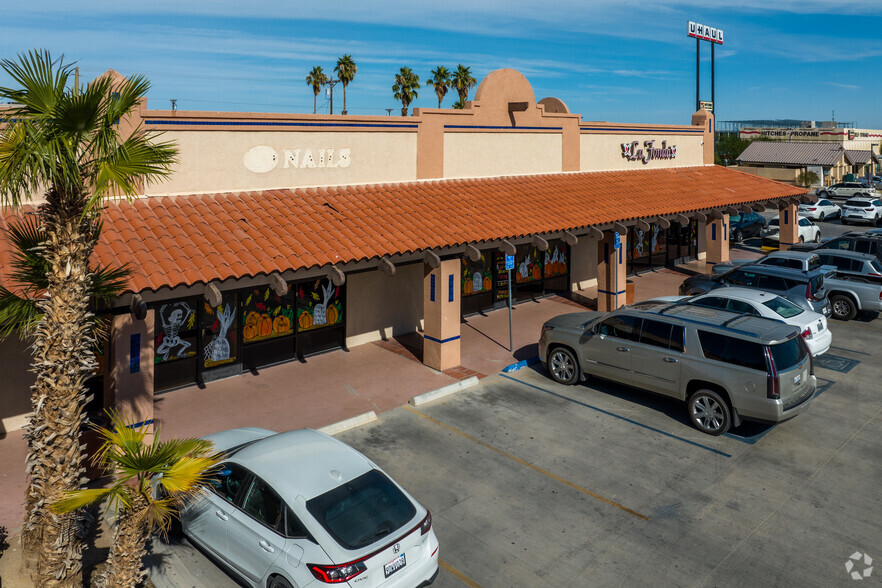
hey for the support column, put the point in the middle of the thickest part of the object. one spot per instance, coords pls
(441, 314)
(609, 285)
(788, 233)
(130, 369)
(717, 239)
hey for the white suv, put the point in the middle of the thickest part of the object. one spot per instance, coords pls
(862, 210)
(847, 190)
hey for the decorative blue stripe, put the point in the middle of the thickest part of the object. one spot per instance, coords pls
(229, 123)
(432, 288)
(441, 340)
(713, 231)
(450, 288)
(508, 128)
(141, 424)
(655, 131)
(611, 292)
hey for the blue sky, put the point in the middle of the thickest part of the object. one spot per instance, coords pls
(621, 61)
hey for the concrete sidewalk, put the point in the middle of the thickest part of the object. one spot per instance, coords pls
(328, 388)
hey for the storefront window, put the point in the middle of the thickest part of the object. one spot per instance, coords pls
(219, 332)
(175, 331)
(528, 264)
(556, 262)
(266, 315)
(477, 276)
(319, 304)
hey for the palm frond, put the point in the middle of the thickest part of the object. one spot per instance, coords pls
(81, 499)
(42, 80)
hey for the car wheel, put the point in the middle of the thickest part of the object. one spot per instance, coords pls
(817, 237)
(843, 307)
(739, 236)
(823, 194)
(843, 221)
(821, 216)
(801, 240)
(709, 412)
(278, 582)
(562, 366)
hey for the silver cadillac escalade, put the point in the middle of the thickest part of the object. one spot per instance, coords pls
(726, 366)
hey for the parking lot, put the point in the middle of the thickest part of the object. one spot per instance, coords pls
(536, 484)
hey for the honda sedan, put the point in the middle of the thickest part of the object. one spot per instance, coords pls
(820, 210)
(300, 508)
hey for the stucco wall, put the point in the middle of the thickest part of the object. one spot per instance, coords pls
(501, 154)
(583, 264)
(772, 173)
(604, 152)
(378, 306)
(220, 161)
(15, 392)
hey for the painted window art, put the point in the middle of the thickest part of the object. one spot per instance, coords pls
(477, 276)
(175, 332)
(219, 332)
(319, 304)
(556, 262)
(266, 315)
(528, 264)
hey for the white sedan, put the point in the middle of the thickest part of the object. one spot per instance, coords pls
(820, 210)
(300, 508)
(812, 325)
(809, 232)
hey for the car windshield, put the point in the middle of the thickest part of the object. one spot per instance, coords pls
(362, 511)
(784, 308)
(788, 354)
(877, 267)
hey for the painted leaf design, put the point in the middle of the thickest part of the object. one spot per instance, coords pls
(315, 296)
(248, 300)
(208, 308)
(266, 295)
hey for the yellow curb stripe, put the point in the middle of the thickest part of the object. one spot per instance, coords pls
(459, 575)
(533, 467)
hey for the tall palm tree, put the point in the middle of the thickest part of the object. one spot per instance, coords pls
(19, 310)
(405, 88)
(346, 70)
(316, 79)
(462, 83)
(65, 142)
(440, 81)
(151, 482)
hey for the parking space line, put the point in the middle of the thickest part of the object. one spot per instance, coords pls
(621, 418)
(457, 574)
(531, 466)
(849, 350)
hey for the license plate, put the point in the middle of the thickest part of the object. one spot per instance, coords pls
(820, 326)
(796, 380)
(394, 565)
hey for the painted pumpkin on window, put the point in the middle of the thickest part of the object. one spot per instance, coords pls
(281, 324)
(305, 320)
(537, 273)
(332, 314)
(249, 332)
(467, 287)
(488, 283)
(265, 325)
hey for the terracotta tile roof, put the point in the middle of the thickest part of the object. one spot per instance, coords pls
(776, 152)
(171, 241)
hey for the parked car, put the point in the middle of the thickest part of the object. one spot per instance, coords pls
(820, 210)
(812, 325)
(805, 289)
(725, 366)
(301, 508)
(862, 210)
(866, 242)
(807, 231)
(805, 262)
(846, 190)
(745, 225)
(875, 181)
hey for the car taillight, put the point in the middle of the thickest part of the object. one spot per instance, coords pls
(426, 524)
(336, 574)
(807, 334)
(869, 209)
(773, 387)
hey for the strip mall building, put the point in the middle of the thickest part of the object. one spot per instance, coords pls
(283, 235)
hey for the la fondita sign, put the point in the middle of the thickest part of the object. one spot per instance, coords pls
(705, 33)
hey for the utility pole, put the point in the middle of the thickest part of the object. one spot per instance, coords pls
(174, 102)
(332, 83)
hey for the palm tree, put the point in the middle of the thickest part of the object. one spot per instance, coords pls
(65, 143)
(346, 70)
(316, 78)
(405, 88)
(463, 82)
(151, 482)
(19, 310)
(440, 80)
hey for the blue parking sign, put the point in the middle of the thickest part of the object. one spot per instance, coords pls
(617, 241)
(509, 262)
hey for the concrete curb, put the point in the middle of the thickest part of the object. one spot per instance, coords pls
(443, 391)
(519, 365)
(350, 423)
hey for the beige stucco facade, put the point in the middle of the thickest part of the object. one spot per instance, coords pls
(604, 152)
(379, 306)
(501, 154)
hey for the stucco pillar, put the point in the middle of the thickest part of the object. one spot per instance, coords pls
(611, 270)
(717, 239)
(130, 368)
(788, 233)
(441, 314)
(705, 119)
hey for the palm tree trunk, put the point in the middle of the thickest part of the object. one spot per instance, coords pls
(124, 567)
(63, 359)
(404, 111)
(344, 99)
(314, 103)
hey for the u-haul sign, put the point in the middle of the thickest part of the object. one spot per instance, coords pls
(706, 33)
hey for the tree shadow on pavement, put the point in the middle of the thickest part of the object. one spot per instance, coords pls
(4, 544)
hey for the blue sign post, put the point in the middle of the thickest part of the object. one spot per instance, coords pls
(509, 265)
(617, 244)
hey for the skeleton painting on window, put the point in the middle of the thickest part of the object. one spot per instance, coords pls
(174, 318)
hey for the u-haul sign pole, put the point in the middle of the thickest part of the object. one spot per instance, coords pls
(715, 36)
